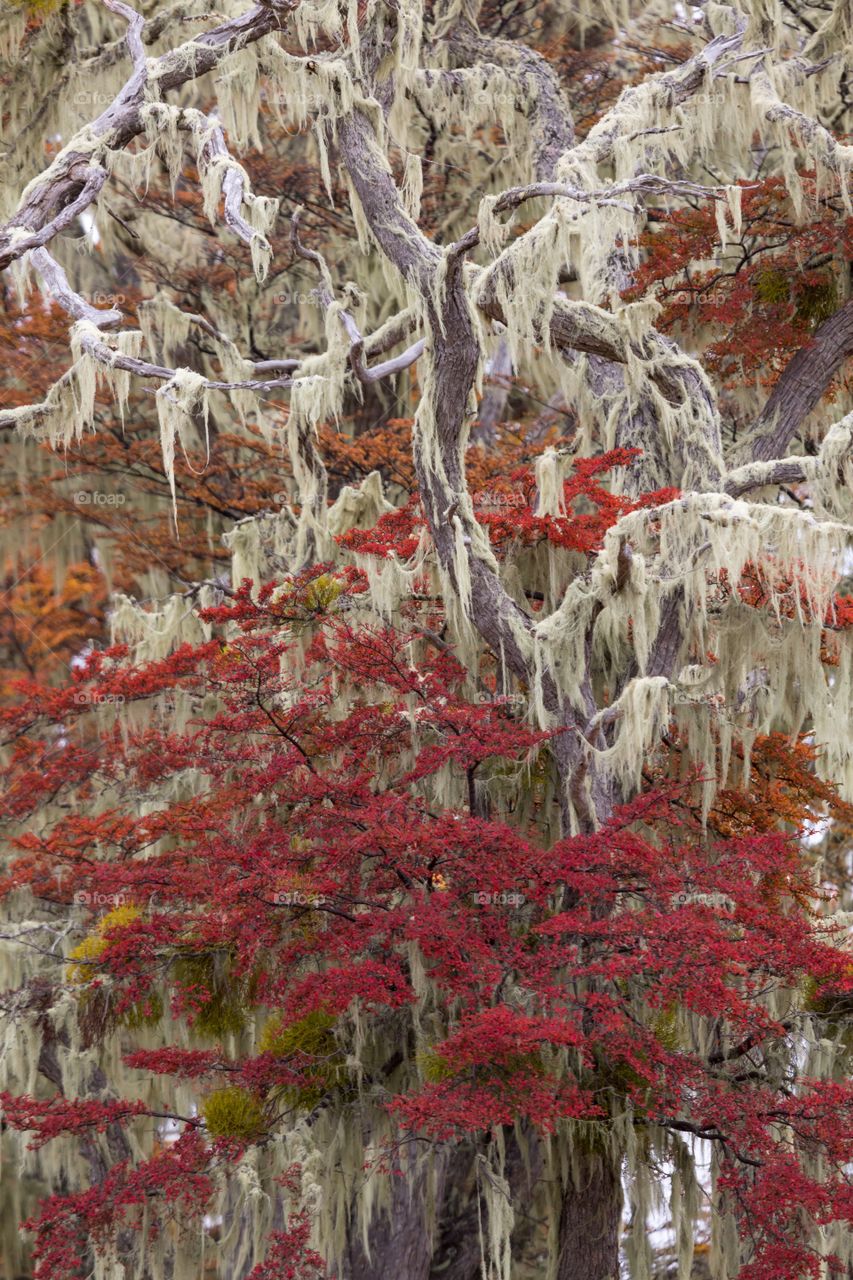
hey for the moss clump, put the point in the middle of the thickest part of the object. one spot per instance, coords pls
(614, 1079)
(322, 592)
(665, 1028)
(434, 1067)
(817, 301)
(814, 300)
(772, 286)
(144, 1013)
(222, 1010)
(312, 1035)
(233, 1113)
(86, 954)
(118, 918)
(835, 1010)
(310, 1044)
(835, 1007)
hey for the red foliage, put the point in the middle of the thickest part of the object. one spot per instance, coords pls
(288, 1256)
(399, 532)
(313, 860)
(50, 1118)
(67, 1225)
(772, 291)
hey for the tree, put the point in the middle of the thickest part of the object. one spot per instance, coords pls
(668, 574)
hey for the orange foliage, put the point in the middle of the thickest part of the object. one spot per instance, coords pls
(44, 627)
(784, 790)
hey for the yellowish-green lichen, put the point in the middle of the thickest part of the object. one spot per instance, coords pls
(309, 1044)
(233, 1113)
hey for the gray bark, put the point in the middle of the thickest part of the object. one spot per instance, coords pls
(400, 1241)
(493, 404)
(801, 385)
(590, 1221)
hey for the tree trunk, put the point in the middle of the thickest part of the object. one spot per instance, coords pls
(401, 1243)
(457, 1248)
(590, 1222)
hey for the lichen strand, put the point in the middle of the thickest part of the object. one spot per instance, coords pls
(182, 397)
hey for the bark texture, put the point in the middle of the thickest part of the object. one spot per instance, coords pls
(589, 1225)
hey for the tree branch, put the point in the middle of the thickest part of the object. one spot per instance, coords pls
(802, 384)
(75, 175)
